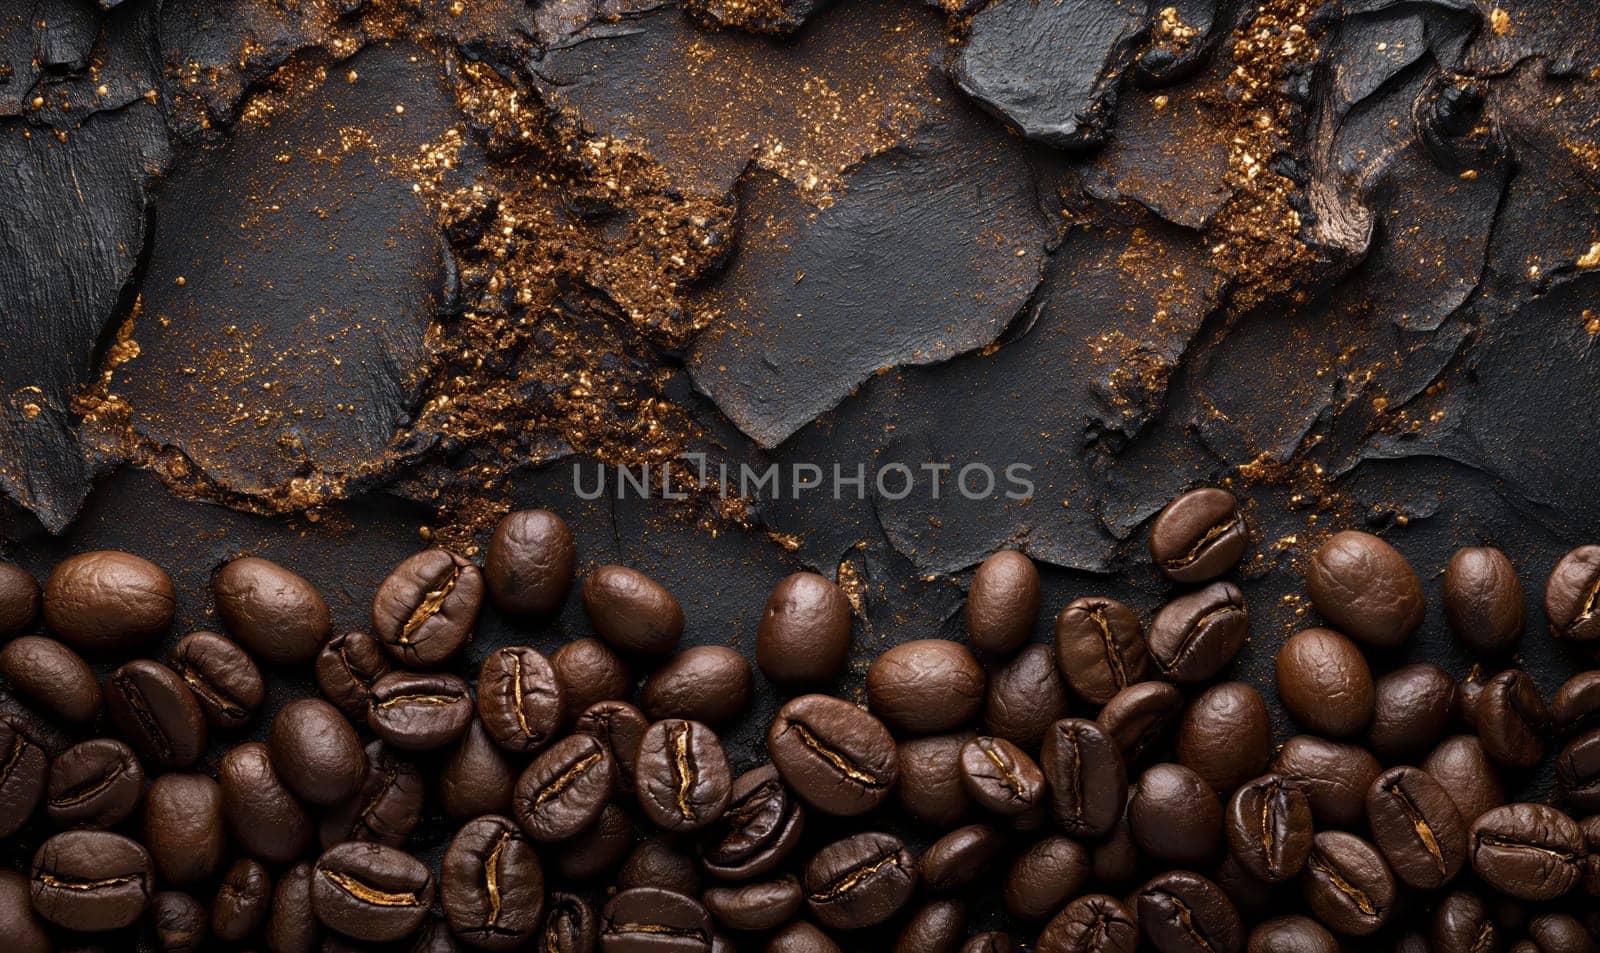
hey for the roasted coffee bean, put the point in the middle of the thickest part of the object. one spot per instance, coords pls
(1413, 708)
(1183, 912)
(242, 900)
(519, 698)
(1560, 933)
(224, 679)
(1324, 682)
(758, 831)
(371, 892)
(108, 600)
(925, 686)
(1115, 857)
(1365, 588)
(51, 677)
(94, 784)
(1198, 536)
(1347, 885)
(956, 860)
(183, 827)
(1578, 772)
(278, 614)
(710, 684)
(1100, 648)
(420, 712)
(1466, 774)
(434, 937)
(1269, 828)
(1483, 600)
(801, 937)
(90, 881)
(477, 778)
(1468, 693)
(631, 611)
(1087, 781)
(991, 942)
(762, 905)
(491, 885)
(803, 640)
(1462, 924)
(600, 849)
(860, 881)
(1513, 720)
(157, 714)
(388, 806)
(651, 920)
(1042, 878)
(1024, 697)
(657, 862)
(1590, 826)
(1000, 777)
(930, 788)
(291, 925)
(262, 814)
(1416, 825)
(620, 728)
(564, 790)
(1528, 851)
(530, 564)
(1174, 815)
(1292, 934)
(1249, 893)
(570, 926)
(1225, 736)
(1139, 717)
(1334, 776)
(589, 672)
(46, 734)
(19, 600)
(180, 922)
(1093, 923)
(682, 775)
(1576, 706)
(1195, 636)
(1003, 602)
(426, 608)
(347, 668)
(1571, 594)
(19, 925)
(316, 751)
(935, 927)
(838, 758)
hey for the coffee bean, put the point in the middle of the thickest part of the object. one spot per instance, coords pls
(96, 783)
(1174, 815)
(262, 815)
(1513, 720)
(1225, 736)
(956, 860)
(860, 881)
(108, 600)
(1024, 697)
(477, 778)
(371, 892)
(1590, 826)
(925, 686)
(657, 862)
(1560, 933)
(1000, 777)
(1093, 923)
(388, 806)
(991, 942)
(530, 564)
(1347, 885)
(620, 728)
(22, 931)
(651, 920)
(155, 711)
(24, 768)
(181, 923)
(930, 789)
(1576, 706)
(1416, 825)
(631, 611)
(565, 788)
(1324, 682)
(1483, 600)
(291, 925)
(1578, 772)
(1139, 717)
(1087, 781)
(347, 668)
(1046, 875)
(90, 881)
(519, 698)
(1100, 647)
(52, 677)
(801, 937)
(711, 684)
(803, 639)
(1571, 593)
(838, 758)
(1365, 588)
(316, 751)
(570, 926)
(1413, 708)
(1250, 894)
(1466, 774)
(1334, 776)
(682, 775)
(19, 600)
(1269, 828)
(1198, 536)
(491, 885)
(426, 608)
(222, 677)
(183, 827)
(600, 849)
(278, 614)
(242, 900)
(758, 831)
(934, 927)
(1195, 636)
(589, 672)
(1003, 602)
(762, 905)
(1292, 934)
(420, 712)
(1115, 858)
(1528, 851)
(1462, 924)
(1183, 912)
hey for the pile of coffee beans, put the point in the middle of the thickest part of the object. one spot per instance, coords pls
(1104, 793)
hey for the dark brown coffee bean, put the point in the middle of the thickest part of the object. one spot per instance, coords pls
(262, 815)
(425, 610)
(1483, 600)
(387, 807)
(316, 751)
(1043, 877)
(224, 679)
(838, 758)
(710, 684)
(1139, 717)
(371, 892)
(278, 614)
(570, 926)
(564, 790)
(1462, 924)
(1413, 708)
(801, 937)
(1571, 594)
(1416, 825)
(991, 942)
(1087, 781)
(600, 849)
(1225, 736)
(1100, 647)
(650, 920)
(420, 712)
(620, 728)
(956, 860)
(183, 827)
(1365, 588)
(657, 862)
(1334, 776)
(19, 600)
(1291, 934)
(96, 783)
(1093, 923)
(1528, 851)
(181, 923)
(1183, 912)
(682, 775)
(477, 778)
(1000, 777)
(291, 925)
(1115, 858)
(1324, 682)
(930, 788)
(1198, 536)
(90, 881)
(51, 677)
(24, 768)
(631, 611)
(1003, 602)
(925, 686)
(108, 600)
(758, 831)
(23, 931)
(1253, 896)
(1513, 720)
(1578, 772)
(242, 900)
(153, 709)
(530, 564)
(762, 905)
(347, 668)
(589, 672)
(935, 927)
(860, 881)
(1195, 636)
(1025, 696)
(1576, 706)
(1466, 774)
(491, 885)
(803, 640)
(1347, 885)
(1560, 933)
(519, 698)
(1269, 828)
(1174, 815)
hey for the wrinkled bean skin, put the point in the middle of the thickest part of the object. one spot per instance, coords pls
(51, 677)
(1183, 912)
(1087, 781)
(317, 752)
(1570, 595)
(519, 698)
(180, 922)
(648, 919)
(1197, 635)
(276, 613)
(1174, 816)
(157, 714)
(682, 775)
(20, 598)
(1292, 934)
(564, 790)
(1100, 648)
(477, 778)
(263, 816)
(1324, 682)
(762, 905)
(1483, 600)
(958, 859)
(1198, 536)
(291, 925)
(347, 667)
(589, 673)
(530, 564)
(241, 903)
(760, 828)
(1025, 696)
(1417, 827)
(19, 925)
(108, 600)
(1269, 828)
(1413, 707)
(1513, 720)
(655, 862)
(1139, 717)
(386, 808)
(91, 881)
(1365, 588)
(491, 885)
(1528, 851)
(925, 686)
(1334, 776)
(570, 926)
(1003, 602)
(224, 679)
(1578, 772)
(1045, 876)
(371, 892)
(1093, 923)
(425, 610)
(1462, 768)
(631, 611)
(803, 640)
(930, 788)
(1576, 706)
(801, 937)
(838, 758)
(620, 728)
(1000, 777)
(95, 783)
(23, 776)
(417, 712)
(935, 927)
(1225, 735)
(860, 881)
(707, 683)
(183, 827)
(1347, 884)
(1462, 924)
